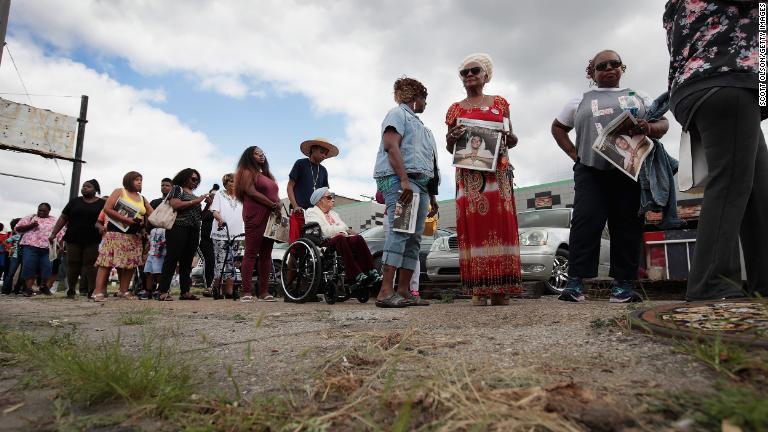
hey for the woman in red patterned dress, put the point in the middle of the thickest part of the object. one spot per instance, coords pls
(486, 219)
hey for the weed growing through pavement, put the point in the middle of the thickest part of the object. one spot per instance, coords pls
(134, 317)
(740, 395)
(91, 373)
(446, 297)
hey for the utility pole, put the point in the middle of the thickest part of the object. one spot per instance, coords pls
(74, 186)
(5, 7)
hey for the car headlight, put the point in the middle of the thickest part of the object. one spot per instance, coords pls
(440, 244)
(533, 238)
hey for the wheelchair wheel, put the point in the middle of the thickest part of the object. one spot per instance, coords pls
(363, 294)
(300, 273)
(330, 293)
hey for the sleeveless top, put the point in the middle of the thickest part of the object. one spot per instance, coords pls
(138, 204)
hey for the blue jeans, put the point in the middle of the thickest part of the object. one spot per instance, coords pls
(35, 262)
(401, 250)
(8, 279)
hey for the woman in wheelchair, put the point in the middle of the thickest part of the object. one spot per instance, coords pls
(358, 262)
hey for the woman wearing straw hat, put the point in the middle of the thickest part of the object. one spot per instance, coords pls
(306, 176)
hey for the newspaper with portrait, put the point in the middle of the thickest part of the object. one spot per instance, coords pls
(625, 151)
(126, 209)
(278, 226)
(478, 147)
(405, 215)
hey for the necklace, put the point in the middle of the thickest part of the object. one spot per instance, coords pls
(231, 201)
(477, 105)
(314, 177)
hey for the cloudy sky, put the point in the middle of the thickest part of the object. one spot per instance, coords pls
(192, 83)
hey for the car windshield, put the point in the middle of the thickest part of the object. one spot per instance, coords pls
(560, 218)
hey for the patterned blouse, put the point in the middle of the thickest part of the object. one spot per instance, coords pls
(709, 38)
(190, 216)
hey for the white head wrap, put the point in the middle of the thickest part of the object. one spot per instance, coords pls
(317, 195)
(483, 59)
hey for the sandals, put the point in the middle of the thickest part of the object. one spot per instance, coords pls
(165, 297)
(267, 298)
(124, 296)
(246, 298)
(394, 301)
(418, 301)
(99, 298)
(479, 301)
(188, 296)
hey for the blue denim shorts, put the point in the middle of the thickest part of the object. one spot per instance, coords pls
(401, 250)
(35, 262)
(154, 264)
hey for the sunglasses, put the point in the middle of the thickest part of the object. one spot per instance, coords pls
(475, 71)
(330, 197)
(614, 64)
(195, 179)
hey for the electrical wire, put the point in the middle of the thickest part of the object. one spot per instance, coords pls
(29, 98)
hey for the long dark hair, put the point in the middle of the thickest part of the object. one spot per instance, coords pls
(182, 177)
(247, 169)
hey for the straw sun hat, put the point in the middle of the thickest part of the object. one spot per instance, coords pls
(322, 142)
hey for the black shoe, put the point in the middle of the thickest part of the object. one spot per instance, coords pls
(28, 293)
(71, 294)
(46, 291)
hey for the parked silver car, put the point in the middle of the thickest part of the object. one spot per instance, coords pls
(544, 250)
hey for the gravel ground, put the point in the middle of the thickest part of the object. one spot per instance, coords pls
(553, 340)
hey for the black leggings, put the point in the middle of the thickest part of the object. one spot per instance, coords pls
(180, 247)
(727, 125)
(605, 196)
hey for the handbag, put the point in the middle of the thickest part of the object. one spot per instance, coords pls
(164, 216)
(693, 172)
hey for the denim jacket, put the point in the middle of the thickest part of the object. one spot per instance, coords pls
(417, 147)
(657, 181)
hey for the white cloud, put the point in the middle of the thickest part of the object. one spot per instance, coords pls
(124, 132)
(344, 56)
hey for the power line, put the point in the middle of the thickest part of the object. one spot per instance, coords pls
(39, 95)
(29, 98)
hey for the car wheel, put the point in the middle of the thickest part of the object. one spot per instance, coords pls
(377, 262)
(559, 277)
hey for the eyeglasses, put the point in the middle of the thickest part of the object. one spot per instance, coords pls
(475, 71)
(614, 64)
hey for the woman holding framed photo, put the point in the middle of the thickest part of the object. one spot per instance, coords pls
(486, 218)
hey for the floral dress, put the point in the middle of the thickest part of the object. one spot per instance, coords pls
(486, 218)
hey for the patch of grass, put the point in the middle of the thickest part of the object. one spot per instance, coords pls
(239, 318)
(94, 373)
(134, 317)
(446, 297)
(742, 405)
(386, 385)
(604, 323)
(740, 395)
(734, 361)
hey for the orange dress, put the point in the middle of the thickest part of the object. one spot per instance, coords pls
(486, 218)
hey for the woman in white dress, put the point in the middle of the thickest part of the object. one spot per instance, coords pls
(228, 213)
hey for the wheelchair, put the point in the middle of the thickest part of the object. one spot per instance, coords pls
(311, 267)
